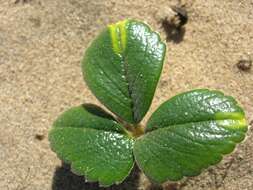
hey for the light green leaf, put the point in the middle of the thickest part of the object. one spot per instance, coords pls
(94, 144)
(122, 67)
(189, 132)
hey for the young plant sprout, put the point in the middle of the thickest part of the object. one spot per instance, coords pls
(185, 135)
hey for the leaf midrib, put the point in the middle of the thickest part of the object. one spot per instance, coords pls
(125, 71)
(242, 120)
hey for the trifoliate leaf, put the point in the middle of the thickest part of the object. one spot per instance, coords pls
(189, 132)
(122, 67)
(94, 144)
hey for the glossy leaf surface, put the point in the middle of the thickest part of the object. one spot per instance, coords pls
(189, 132)
(94, 144)
(122, 67)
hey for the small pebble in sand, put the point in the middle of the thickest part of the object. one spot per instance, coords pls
(181, 17)
(175, 16)
(172, 20)
(39, 137)
(244, 64)
(21, 1)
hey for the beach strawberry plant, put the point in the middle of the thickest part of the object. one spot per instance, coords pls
(185, 135)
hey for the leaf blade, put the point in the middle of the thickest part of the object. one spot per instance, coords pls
(193, 106)
(101, 155)
(122, 67)
(94, 145)
(177, 149)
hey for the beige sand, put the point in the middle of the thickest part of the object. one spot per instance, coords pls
(41, 46)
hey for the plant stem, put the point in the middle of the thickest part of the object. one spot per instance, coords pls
(138, 130)
(133, 130)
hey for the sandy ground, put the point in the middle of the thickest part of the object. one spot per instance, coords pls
(41, 46)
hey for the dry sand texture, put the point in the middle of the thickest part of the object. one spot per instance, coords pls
(41, 46)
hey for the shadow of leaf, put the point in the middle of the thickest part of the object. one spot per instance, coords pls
(64, 179)
(98, 111)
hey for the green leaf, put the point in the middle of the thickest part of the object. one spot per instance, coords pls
(188, 133)
(94, 144)
(122, 67)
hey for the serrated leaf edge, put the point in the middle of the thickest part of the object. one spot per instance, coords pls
(200, 171)
(86, 177)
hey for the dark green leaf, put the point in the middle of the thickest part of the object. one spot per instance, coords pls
(88, 116)
(94, 144)
(189, 132)
(122, 67)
